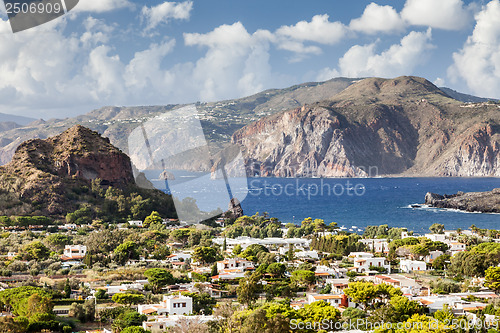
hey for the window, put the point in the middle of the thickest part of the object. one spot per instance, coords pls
(183, 305)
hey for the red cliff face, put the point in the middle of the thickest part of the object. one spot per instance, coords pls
(404, 126)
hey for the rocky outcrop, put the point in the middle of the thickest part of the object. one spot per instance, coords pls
(55, 176)
(404, 126)
(484, 202)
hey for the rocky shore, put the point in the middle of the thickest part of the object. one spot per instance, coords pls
(484, 202)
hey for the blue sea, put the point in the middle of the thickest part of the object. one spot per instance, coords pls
(370, 201)
(350, 202)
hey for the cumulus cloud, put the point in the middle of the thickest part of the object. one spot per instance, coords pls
(319, 30)
(101, 6)
(399, 59)
(376, 19)
(442, 14)
(162, 13)
(478, 62)
(234, 59)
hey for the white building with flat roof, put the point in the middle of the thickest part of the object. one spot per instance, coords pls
(171, 305)
(74, 252)
(408, 266)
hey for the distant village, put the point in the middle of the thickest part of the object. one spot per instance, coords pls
(161, 275)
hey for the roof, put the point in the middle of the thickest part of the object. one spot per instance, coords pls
(148, 311)
(327, 296)
(426, 302)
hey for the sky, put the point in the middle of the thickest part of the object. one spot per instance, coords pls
(125, 53)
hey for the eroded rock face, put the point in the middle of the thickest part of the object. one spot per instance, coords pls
(405, 127)
(77, 152)
(485, 202)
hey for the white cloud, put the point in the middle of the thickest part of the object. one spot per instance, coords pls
(96, 31)
(439, 82)
(101, 6)
(377, 19)
(326, 74)
(399, 59)
(478, 62)
(166, 11)
(319, 30)
(442, 14)
(235, 64)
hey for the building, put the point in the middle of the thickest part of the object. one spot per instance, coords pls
(336, 300)
(137, 223)
(455, 247)
(433, 255)
(74, 252)
(364, 262)
(111, 290)
(171, 305)
(408, 266)
(436, 237)
(163, 323)
(235, 265)
(376, 245)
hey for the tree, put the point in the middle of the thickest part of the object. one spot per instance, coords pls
(214, 271)
(237, 249)
(153, 219)
(127, 298)
(441, 262)
(58, 240)
(203, 303)
(247, 289)
(492, 279)
(126, 251)
(128, 318)
(158, 278)
(437, 228)
(35, 251)
(276, 269)
(303, 278)
(403, 308)
(205, 255)
(67, 289)
(101, 294)
(361, 292)
(134, 329)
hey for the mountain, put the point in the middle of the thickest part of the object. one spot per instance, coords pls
(464, 97)
(4, 117)
(484, 202)
(75, 169)
(377, 127)
(219, 119)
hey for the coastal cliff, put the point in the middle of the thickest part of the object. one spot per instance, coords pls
(377, 127)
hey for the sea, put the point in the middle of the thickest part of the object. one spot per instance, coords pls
(353, 203)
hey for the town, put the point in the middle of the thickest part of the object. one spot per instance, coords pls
(245, 274)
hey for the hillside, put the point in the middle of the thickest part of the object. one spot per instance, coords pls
(404, 126)
(220, 119)
(77, 169)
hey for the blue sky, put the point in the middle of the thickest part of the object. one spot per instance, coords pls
(121, 52)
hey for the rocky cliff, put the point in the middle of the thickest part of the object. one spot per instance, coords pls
(404, 126)
(484, 202)
(57, 175)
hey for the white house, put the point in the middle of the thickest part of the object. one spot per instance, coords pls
(172, 305)
(111, 290)
(179, 257)
(408, 266)
(455, 247)
(137, 223)
(235, 265)
(162, 323)
(364, 261)
(74, 252)
(376, 245)
(436, 237)
(307, 255)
